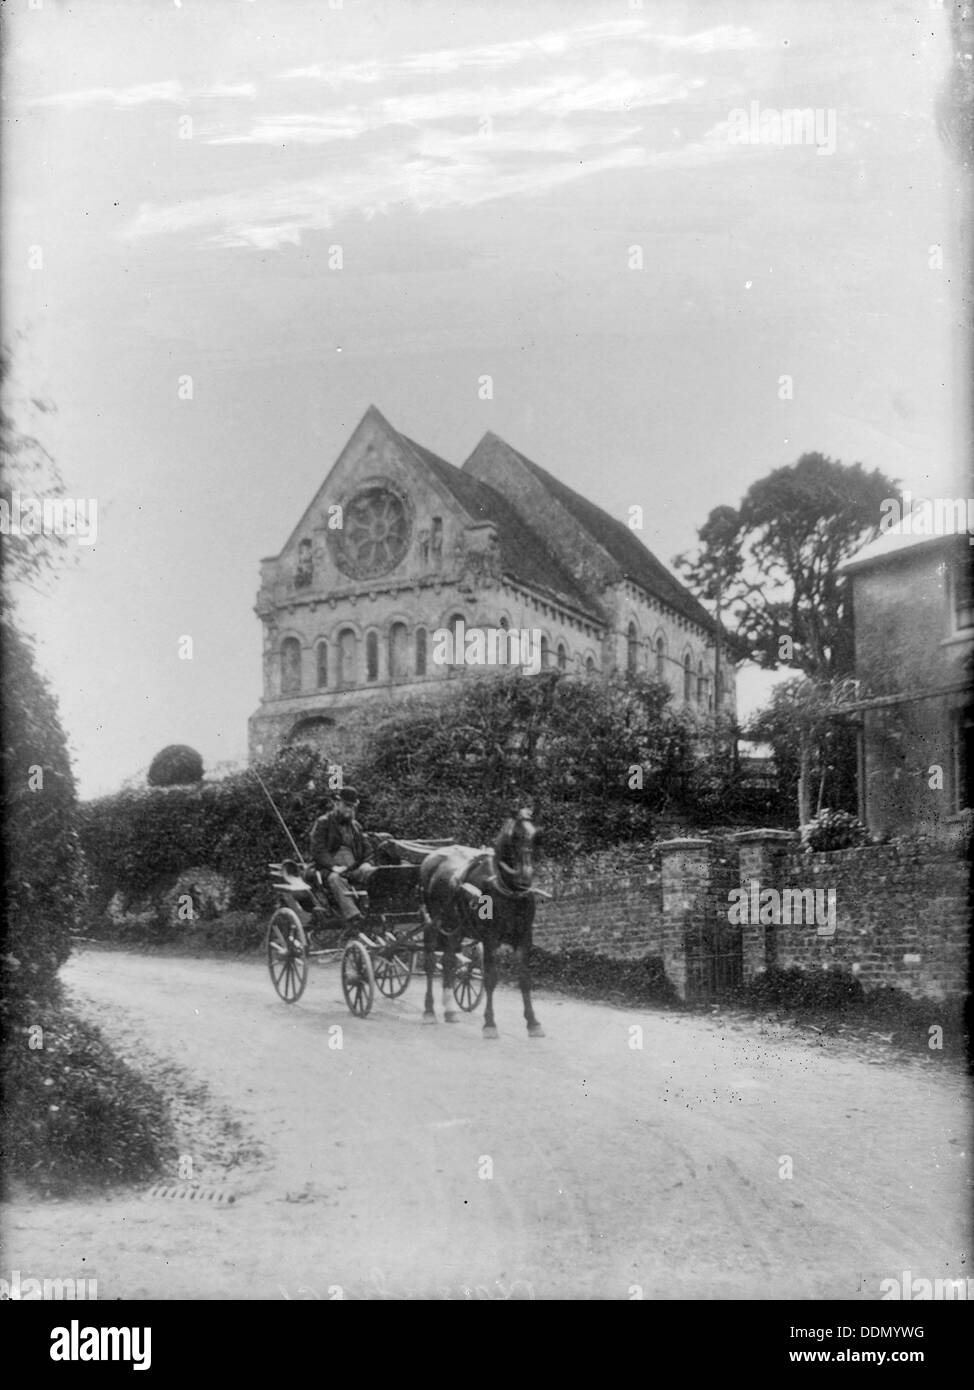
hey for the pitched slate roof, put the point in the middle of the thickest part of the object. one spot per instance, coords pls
(524, 555)
(632, 559)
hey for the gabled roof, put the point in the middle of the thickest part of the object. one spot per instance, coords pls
(524, 555)
(631, 558)
(891, 544)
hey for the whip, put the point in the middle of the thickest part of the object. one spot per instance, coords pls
(277, 813)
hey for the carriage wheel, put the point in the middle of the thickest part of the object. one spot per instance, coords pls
(393, 970)
(287, 954)
(468, 983)
(358, 981)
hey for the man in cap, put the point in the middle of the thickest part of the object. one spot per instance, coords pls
(341, 851)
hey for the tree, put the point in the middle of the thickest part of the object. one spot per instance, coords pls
(814, 745)
(27, 468)
(177, 765)
(772, 565)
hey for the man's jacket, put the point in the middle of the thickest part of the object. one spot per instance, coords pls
(328, 836)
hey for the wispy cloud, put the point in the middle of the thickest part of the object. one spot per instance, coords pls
(566, 96)
(437, 176)
(171, 92)
(504, 55)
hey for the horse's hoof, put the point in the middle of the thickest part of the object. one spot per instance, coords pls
(490, 1031)
(429, 1018)
(535, 1030)
(451, 1016)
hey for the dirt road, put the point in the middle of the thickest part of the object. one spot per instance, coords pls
(425, 1162)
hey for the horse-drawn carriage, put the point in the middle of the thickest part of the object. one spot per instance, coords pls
(377, 951)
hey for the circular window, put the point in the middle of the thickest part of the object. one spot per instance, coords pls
(375, 534)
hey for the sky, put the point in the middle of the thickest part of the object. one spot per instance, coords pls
(193, 174)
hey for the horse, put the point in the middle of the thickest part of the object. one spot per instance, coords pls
(488, 895)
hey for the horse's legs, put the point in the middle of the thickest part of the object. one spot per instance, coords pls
(429, 933)
(522, 954)
(450, 1014)
(490, 980)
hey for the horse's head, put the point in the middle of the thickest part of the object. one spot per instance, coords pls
(513, 851)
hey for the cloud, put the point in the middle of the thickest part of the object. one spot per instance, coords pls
(120, 97)
(563, 96)
(504, 55)
(437, 176)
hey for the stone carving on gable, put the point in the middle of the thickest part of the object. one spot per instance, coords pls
(478, 557)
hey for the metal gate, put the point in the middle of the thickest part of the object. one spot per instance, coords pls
(714, 961)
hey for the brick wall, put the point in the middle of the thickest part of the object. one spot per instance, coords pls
(609, 902)
(902, 909)
(902, 917)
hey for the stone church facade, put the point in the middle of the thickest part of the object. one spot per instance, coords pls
(398, 543)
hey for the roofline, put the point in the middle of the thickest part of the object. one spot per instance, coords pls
(857, 562)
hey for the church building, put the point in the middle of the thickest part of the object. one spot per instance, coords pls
(398, 544)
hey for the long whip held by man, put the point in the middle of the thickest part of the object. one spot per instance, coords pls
(300, 856)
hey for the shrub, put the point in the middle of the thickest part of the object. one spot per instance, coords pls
(45, 869)
(73, 1112)
(175, 766)
(833, 830)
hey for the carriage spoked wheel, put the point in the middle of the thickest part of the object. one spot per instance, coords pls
(358, 979)
(393, 969)
(468, 982)
(287, 954)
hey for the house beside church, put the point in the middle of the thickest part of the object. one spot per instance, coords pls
(913, 614)
(397, 544)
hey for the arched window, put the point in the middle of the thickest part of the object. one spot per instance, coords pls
(632, 649)
(421, 642)
(455, 623)
(701, 685)
(304, 573)
(398, 646)
(346, 659)
(660, 659)
(589, 666)
(562, 657)
(322, 665)
(687, 678)
(371, 656)
(544, 653)
(290, 666)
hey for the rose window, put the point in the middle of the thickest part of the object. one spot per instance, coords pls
(375, 532)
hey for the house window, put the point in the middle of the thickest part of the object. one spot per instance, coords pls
(398, 641)
(290, 666)
(372, 656)
(304, 573)
(346, 659)
(660, 659)
(562, 657)
(961, 593)
(687, 678)
(322, 665)
(963, 740)
(632, 649)
(421, 641)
